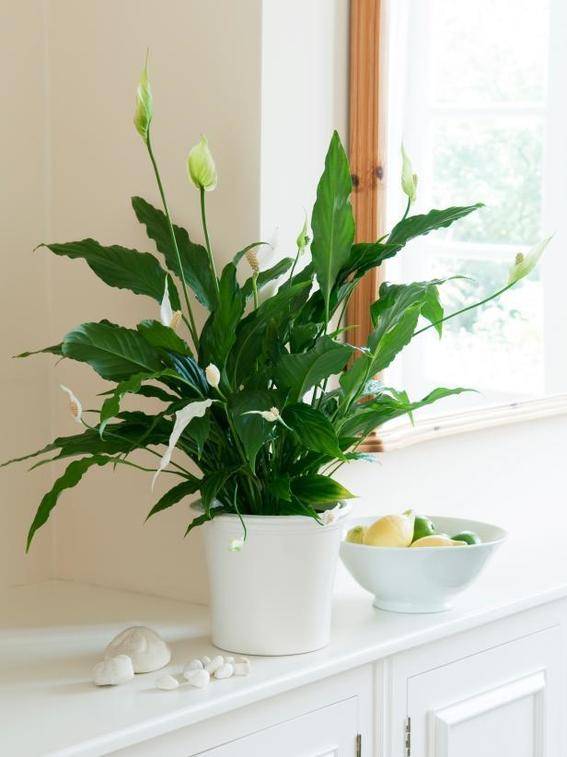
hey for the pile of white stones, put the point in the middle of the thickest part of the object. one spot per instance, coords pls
(142, 650)
(198, 672)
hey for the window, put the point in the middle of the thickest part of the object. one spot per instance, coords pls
(476, 93)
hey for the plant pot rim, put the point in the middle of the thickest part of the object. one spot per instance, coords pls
(345, 508)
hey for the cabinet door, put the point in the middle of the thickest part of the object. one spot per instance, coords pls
(503, 702)
(328, 732)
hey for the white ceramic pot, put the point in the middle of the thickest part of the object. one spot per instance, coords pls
(421, 579)
(273, 597)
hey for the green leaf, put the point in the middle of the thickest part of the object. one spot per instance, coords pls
(364, 256)
(194, 257)
(332, 221)
(415, 226)
(301, 371)
(121, 267)
(240, 254)
(111, 405)
(211, 484)
(268, 275)
(280, 488)
(73, 474)
(163, 337)
(319, 490)
(198, 430)
(202, 519)
(219, 332)
(313, 429)
(253, 431)
(249, 345)
(115, 353)
(175, 494)
(54, 350)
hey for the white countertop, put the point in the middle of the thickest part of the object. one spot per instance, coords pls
(51, 634)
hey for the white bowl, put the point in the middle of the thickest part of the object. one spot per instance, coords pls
(422, 579)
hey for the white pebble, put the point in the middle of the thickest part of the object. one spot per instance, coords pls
(198, 678)
(191, 666)
(225, 671)
(216, 663)
(229, 659)
(205, 660)
(145, 647)
(242, 668)
(167, 683)
(113, 670)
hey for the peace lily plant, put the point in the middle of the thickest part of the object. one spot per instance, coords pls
(247, 403)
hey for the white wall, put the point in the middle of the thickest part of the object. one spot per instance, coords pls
(268, 93)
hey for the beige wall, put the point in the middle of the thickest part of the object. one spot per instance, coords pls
(24, 300)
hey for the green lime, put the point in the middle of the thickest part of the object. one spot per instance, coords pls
(422, 527)
(469, 537)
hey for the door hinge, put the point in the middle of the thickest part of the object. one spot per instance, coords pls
(358, 745)
(407, 737)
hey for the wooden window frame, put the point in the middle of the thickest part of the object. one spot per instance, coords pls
(366, 151)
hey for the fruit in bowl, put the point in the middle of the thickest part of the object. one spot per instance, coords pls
(417, 563)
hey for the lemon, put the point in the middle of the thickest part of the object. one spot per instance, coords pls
(391, 531)
(356, 535)
(469, 537)
(423, 526)
(437, 540)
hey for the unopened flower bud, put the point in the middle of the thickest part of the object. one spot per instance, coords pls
(409, 178)
(303, 237)
(143, 113)
(201, 166)
(213, 375)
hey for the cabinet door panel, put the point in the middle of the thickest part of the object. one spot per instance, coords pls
(328, 732)
(498, 703)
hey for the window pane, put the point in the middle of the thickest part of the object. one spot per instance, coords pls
(497, 348)
(498, 163)
(489, 51)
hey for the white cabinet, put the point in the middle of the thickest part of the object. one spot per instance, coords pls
(328, 732)
(498, 703)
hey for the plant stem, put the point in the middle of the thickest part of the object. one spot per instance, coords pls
(255, 289)
(207, 240)
(191, 324)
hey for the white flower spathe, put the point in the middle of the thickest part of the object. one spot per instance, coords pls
(328, 517)
(165, 310)
(183, 418)
(272, 415)
(212, 374)
(74, 404)
(524, 264)
(236, 545)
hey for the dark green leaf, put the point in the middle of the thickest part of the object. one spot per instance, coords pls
(319, 490)
(120, 267)
(280, 488)
(175, 494)
(191, 374)
(313, 429)
(332, 221)
(219, 332)
(73, 474)
(111, 405)
(301, 371)
(202, 519)
(240, 254)
(163, 337)
(54, 350)
(198, 430)
(211, 484)
(364, 256)
(268, 275)
(194, 257)
(252, 430)
(415, 226)
(115, 353)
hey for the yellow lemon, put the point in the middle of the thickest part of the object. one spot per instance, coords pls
(438, 540)
(356, 535)
(391, 531)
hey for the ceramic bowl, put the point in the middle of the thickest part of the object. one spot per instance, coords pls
(423, 579)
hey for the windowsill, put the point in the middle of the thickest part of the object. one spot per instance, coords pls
(400, 435)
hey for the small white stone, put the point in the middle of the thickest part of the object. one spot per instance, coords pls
(198, 678)
(191, 666)
(242, 668)
(113, 671)
(216, 663)
(167, 683)
(205, 660)
(225, 671)
(229, 659)
(147, 650)
(242, 659)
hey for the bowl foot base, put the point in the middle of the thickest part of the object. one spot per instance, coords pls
(410, 607)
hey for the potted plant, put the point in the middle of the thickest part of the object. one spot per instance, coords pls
(251, 402)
